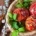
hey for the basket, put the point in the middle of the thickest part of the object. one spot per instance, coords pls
(32, 33)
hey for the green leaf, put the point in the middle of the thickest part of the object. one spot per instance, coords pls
(10, 15)
(14, 16)
(14, 25)
(19, 24)
(26, 5)
(22, 29)
(14, 33)
(20, 1)
(19, 5)
(27, 0)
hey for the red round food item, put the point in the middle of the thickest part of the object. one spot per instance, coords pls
(30, 23)
(34, 23)
(22, 13)
(33, 9)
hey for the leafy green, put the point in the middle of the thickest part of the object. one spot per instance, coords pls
(26, 5)
(14, 33)
(10, 15)
(14, 16)
(22, 29)
(14, 25)
(19, 5)
(27, 0)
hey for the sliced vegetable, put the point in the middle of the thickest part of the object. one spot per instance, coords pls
(22, 13)
(29, 24)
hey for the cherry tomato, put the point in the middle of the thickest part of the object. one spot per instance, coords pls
(29, 23)
(33, 9)
(20, 18)
(22, 13)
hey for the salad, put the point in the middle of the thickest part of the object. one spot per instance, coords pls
(23, 17)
